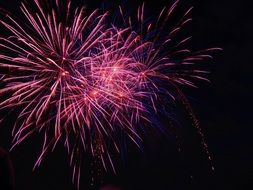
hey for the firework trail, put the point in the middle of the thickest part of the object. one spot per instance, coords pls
(79, 76)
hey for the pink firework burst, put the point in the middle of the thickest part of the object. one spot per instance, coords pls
(79, 77)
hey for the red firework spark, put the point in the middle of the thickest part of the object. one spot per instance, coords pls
(74, 73)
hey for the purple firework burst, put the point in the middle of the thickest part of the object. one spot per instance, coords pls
(79, 76)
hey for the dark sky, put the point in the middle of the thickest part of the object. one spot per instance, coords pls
(224, 109)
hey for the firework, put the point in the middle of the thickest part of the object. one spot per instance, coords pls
(80, 77)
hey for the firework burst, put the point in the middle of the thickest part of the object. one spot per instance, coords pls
(79, 76)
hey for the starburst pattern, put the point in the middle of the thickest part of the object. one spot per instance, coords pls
(78, 76)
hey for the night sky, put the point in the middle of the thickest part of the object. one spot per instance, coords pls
(223, 107)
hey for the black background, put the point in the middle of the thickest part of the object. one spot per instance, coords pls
(224, 109)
